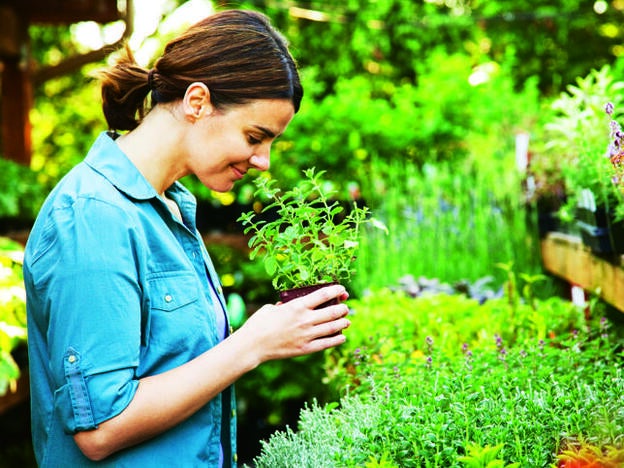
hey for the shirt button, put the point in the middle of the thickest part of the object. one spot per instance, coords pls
(220, 290)
(233, 412)
(71, 358)
(235, 458)
(168, 298)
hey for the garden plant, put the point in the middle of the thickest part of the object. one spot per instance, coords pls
(577, 138)
(306, 238)
(442, 380)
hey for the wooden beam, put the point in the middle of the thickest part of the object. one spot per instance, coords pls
(66, 11)
(565, 256)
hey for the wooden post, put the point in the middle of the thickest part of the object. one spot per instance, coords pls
(16, 90)
(16, 96)
(16, 103)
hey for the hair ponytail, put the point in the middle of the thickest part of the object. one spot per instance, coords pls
(125, 86)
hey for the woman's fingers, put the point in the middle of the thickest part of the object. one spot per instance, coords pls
(323, 295)
(297, 327)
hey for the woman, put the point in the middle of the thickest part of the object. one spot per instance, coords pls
(131, 360)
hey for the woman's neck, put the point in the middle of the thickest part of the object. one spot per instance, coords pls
(154, 148)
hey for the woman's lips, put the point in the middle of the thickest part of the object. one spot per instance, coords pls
(238, 173)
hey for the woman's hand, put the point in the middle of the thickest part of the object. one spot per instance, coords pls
(296, 328)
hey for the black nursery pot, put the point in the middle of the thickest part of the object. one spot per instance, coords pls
(290, 294)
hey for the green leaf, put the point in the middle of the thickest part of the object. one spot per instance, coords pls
(270, 265)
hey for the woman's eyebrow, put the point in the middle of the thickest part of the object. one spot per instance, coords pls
(268, 132)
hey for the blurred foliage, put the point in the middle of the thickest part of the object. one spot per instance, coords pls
(399, 79)
(21, 193)
(442, 119)
(390, 37)
(12, 312)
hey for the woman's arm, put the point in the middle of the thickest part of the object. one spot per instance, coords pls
(164, 400)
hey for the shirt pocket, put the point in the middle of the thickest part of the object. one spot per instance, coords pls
(173, 292)
(175, 315)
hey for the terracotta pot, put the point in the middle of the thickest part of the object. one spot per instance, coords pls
(290, 294)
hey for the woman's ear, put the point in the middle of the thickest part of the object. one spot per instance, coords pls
(196, 102)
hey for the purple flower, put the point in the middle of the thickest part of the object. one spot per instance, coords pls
(499, 340)
(429, 341)
(609, 108)
(614, 151)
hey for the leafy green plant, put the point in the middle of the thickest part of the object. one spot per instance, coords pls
(497, 404)
(455, 323)
(578, 134)
(311, 239)
(484, 457)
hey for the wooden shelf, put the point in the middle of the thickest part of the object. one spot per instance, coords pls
(565, 256)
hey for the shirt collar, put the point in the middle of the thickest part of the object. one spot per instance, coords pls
(106, 158)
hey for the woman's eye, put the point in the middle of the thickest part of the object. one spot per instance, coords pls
(253, 140)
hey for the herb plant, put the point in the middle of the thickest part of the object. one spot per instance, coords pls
(492, 395)
(304, 236)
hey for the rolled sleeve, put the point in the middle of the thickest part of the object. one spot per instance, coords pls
(92, 296)
(73, 404)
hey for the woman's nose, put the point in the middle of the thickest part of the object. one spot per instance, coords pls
(261, 160)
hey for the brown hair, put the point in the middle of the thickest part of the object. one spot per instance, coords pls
(236, 53)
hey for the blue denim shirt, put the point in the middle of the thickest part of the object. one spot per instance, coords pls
(119, 289)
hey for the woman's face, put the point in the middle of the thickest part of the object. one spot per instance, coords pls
(224, 144)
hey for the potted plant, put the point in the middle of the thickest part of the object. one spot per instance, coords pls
(578, 138)
(600, 208)
(306, 238)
